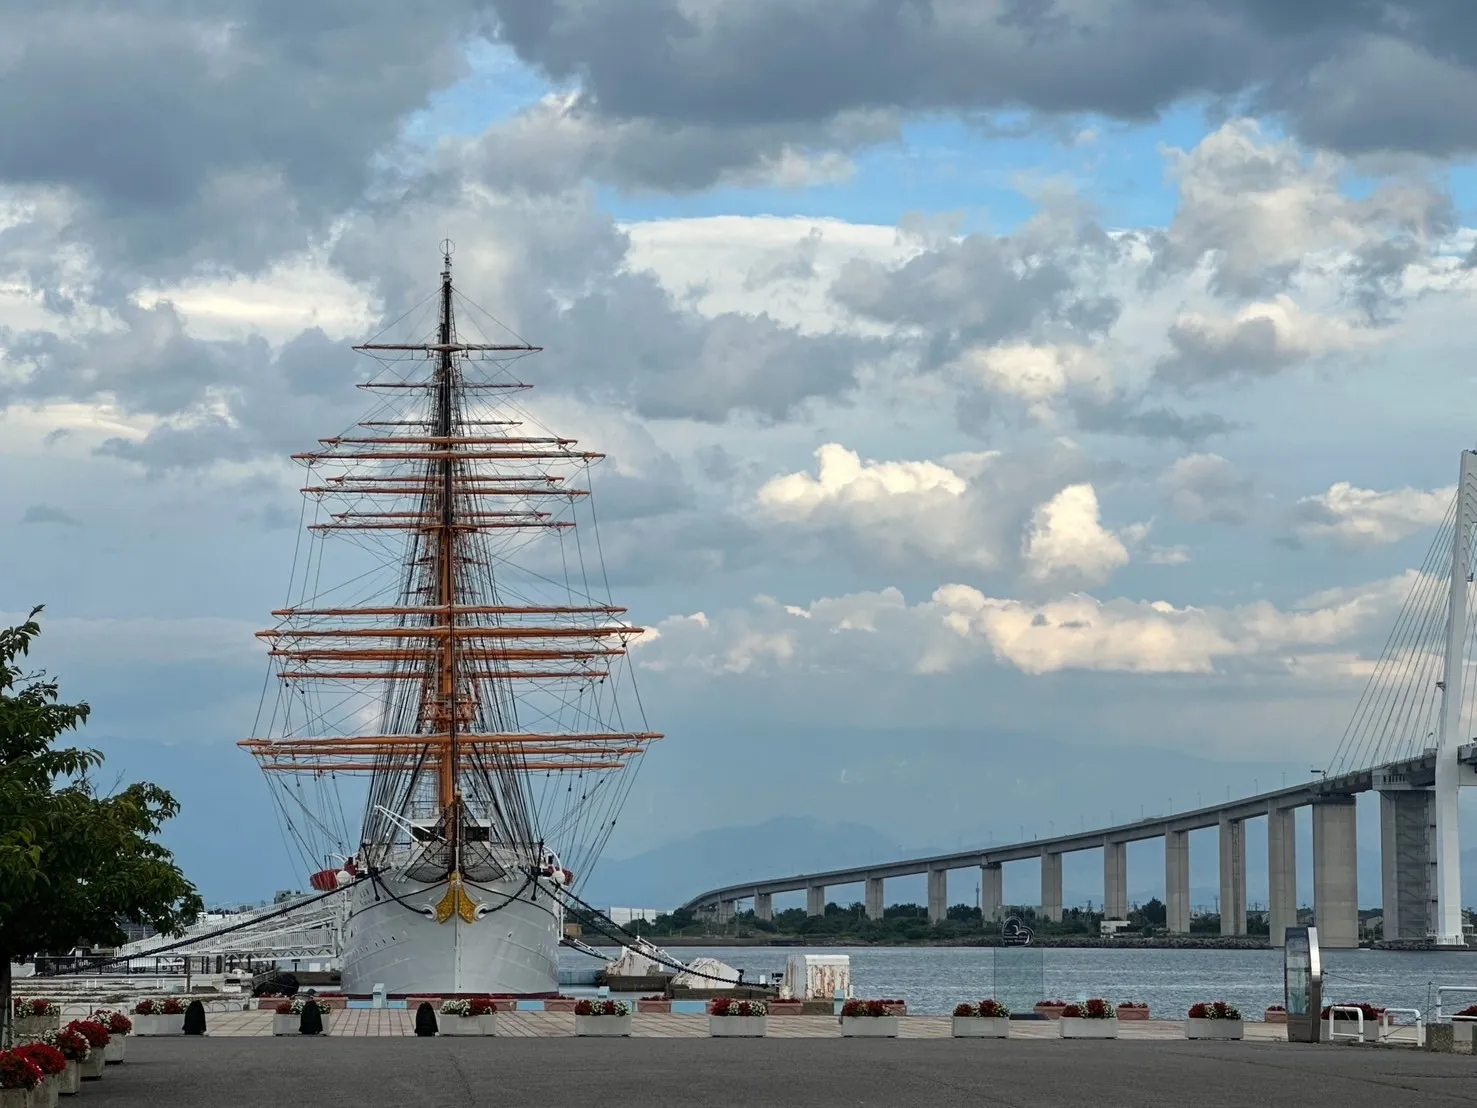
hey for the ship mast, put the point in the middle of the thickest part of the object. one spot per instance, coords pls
(467, 673)
(445, 370)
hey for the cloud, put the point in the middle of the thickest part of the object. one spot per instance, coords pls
(1258, 341)
(1256, 212)
(1067, 541)
(1347, 75)
(964, 511)
(960, 628)
(1207, 488)
(1355, 517)
(45, 513)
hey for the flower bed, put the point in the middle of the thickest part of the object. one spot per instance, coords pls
(30, 1016)
(1214, 1020)
(1092, 1019)
(602, 1019)
(119, 1027)
(655, 1005)
(74, 1048)
(989, 1019)
(1275, 1014)
(786, 1007)
(475, 1015)
(18, 1076)
(1051, 1009)
(742, 1019)
(868, 1019)
(53, 1066)
(159, 1017)
(561, 1004)
(97, 1040)
(1129, 1010)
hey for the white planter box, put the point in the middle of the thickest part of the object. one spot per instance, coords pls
(1215, 1029)
(31, 1027)
(92, 1068)
(47, 1092)
(614, 1027)
(116, 1049)
(69, 1081)
(869, 1027)
(15, 1098)
(737, 1027)
(448, 1024)
(291, 1024)
(1075, 1027)
(159, 1025)
(981, 1027)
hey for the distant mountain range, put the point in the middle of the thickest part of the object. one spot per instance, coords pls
(668, 875)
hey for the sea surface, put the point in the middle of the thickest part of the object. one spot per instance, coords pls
(933, 979)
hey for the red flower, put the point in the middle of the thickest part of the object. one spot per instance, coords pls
(479, 1006)
(44, 1057)
(95, 1033)
(1097, 1009)
(1470, 1010)
(73, 1045)
(1071, 1012)
(172, 1007)
(116, 1022)
(17, 1071)
(720, 1005)
(964, 1009)
(993, 1009)
(583, 1008)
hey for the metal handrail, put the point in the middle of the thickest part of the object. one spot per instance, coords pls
(1333, 1024)
(1440, 1018)
(1389, 1029)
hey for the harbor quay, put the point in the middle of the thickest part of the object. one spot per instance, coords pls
(655, 1070)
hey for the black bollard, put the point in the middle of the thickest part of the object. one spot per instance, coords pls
(195, 1018)
(425, 1019)
(312, 1019)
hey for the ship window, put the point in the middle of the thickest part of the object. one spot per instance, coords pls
(477, 834)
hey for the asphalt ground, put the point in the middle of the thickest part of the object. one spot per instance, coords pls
(814, 1073)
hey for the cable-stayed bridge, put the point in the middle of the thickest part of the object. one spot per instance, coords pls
(1410, 739)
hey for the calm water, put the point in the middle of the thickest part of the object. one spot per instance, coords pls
(933, 979)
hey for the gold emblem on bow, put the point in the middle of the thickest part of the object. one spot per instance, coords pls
(456, 901)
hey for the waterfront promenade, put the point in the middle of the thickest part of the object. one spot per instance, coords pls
(371, 1023)
(654, 1071)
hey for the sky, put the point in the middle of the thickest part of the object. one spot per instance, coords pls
(1019, 412)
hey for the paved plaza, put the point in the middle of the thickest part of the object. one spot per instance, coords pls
(662, 1071)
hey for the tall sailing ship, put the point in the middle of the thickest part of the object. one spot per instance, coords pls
(455, 671)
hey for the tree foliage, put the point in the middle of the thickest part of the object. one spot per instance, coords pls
(73, 864)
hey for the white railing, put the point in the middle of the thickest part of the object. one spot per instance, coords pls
(1334, 1022)
(1392, 1032)
(1441, 990)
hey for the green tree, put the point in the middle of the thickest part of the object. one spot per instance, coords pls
(73, 863)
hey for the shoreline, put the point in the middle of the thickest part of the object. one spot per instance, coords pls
(1085, 942)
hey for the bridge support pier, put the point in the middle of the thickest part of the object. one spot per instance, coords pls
(1051, 886)
(938, 895)
(875, 905)
(1408, 861)
(1233, 877)
(1282, 873)
(1177, 882)
(727, 909)
(992, 892)
(1115, 880)
(815, 900)
(1336, 872)
(764, 906)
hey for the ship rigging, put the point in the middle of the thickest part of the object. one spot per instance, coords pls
(462, 678)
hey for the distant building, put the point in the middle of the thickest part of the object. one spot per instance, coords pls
(624, 916)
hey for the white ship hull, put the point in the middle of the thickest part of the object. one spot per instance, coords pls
(391, 937)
